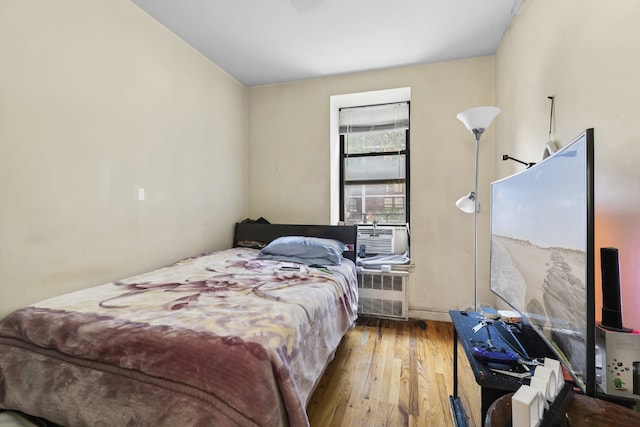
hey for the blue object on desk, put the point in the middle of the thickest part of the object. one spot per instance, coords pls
(506, 357)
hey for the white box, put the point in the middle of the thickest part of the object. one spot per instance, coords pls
(527, 407)
(618, 355)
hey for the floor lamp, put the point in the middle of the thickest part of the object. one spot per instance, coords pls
(476, 120)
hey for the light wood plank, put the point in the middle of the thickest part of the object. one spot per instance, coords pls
(393, 373)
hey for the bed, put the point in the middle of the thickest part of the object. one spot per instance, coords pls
(233, 337)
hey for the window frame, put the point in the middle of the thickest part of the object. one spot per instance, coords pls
(406, 181)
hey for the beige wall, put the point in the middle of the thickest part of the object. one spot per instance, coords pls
(585, 53)
(97, 100)
(288, 163)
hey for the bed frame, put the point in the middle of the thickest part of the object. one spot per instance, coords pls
(265, 233)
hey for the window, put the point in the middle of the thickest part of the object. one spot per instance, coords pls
(374, 164)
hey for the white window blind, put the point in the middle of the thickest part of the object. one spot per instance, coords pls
(374, 118)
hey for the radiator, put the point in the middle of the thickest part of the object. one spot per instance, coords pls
(383, 294)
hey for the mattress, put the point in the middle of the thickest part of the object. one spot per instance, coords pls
(225, 338)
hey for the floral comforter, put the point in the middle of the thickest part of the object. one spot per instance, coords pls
(220, 339)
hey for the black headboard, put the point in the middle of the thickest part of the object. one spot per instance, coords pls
(265, 233)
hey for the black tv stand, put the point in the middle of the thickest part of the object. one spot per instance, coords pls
(492, 384)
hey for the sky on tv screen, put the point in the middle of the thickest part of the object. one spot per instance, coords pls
(545, 205)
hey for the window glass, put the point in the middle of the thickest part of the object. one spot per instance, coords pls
(384, 203)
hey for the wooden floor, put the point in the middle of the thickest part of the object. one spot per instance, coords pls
(394, 373)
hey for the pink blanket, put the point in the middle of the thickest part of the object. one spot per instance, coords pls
(220, 339)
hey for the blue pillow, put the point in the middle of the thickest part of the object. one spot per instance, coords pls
(304, 250)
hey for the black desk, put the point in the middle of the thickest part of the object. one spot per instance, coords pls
(492, 384)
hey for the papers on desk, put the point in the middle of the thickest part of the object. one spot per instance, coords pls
(515, 374)
(376, 262)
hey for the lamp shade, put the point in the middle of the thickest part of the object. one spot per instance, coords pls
(467, 204)
(478, 117)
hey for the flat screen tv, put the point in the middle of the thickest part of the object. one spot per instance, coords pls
(542, 253)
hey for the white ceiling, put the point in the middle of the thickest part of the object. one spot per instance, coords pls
(273, 41)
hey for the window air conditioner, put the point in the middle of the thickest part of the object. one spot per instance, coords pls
(381, 240)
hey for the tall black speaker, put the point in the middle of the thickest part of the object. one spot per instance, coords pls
(611, 306)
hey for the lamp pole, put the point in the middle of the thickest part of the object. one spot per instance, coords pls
(475, 120)
(476, 134)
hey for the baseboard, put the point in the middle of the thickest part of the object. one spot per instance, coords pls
(429, 315)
